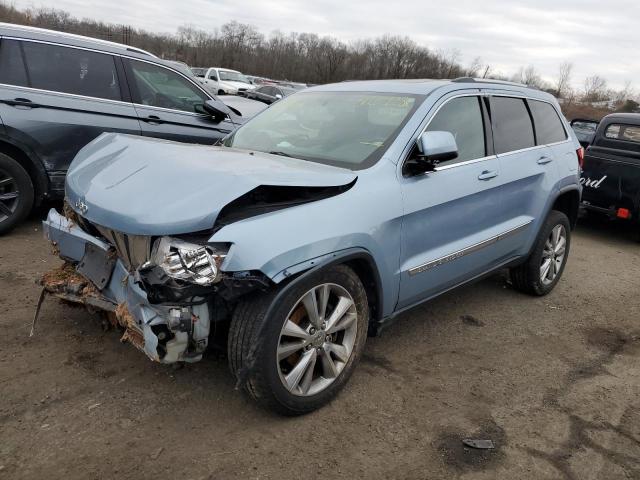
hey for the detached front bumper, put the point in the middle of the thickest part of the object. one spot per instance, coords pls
(167, 334)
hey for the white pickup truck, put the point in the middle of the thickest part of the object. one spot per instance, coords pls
(221, 81)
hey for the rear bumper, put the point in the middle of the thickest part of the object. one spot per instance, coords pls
(151, 328)
(611, 212)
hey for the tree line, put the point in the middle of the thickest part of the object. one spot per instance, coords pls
(310, 58)
(302, 57)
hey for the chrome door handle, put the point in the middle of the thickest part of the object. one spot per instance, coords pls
(488, 175)
(20, 102)
(544, 160)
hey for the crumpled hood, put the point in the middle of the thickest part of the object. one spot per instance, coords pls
(145, 186)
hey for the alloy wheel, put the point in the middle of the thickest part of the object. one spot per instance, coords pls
(317, 339)
(553, 255)
(9, 195)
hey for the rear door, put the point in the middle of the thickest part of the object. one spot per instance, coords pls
(170, 106)
(55, 99)
(449, 227)
(528, 168)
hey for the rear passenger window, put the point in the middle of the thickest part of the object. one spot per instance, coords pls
(629, 133)
(12, 71)
(549, 127)
(463, 118)
(513, 129)
(71, 70)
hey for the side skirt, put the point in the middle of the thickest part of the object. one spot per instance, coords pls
(384, 323)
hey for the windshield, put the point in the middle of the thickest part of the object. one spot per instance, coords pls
(226, 75)
(199, 72)
(345, 129)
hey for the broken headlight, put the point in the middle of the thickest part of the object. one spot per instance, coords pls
(189, 262)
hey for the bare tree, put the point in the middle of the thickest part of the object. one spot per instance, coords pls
(625, 93)
(563, 81)
(529, 76)
(595, 89)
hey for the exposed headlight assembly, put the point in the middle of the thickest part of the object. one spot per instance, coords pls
(189, 262)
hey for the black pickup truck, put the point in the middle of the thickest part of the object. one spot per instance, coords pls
(611, 168)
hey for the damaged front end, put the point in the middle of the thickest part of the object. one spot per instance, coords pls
(164, 292)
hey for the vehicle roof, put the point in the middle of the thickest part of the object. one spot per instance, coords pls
(73, 40)
(35, 33)
(427, 86)
(633, 118)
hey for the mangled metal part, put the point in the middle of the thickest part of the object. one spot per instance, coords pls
(478, 444)
(132, 332)
(67, 284)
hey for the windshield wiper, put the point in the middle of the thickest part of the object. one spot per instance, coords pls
(282, 154)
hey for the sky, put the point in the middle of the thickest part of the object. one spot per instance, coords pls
(598, 37)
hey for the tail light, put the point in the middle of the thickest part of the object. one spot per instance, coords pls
(623, 213)
(580, 153)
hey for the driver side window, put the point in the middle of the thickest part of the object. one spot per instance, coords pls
(462, 117)
(160, 87)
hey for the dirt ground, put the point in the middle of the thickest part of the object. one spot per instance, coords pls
(554, 382)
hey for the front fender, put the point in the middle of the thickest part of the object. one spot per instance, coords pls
(367, 218)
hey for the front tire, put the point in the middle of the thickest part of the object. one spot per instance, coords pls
(16, 193)
(309, 345)
(545, 265)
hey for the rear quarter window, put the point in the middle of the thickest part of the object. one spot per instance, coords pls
(512, 127)
(549, 127)
(629, 133)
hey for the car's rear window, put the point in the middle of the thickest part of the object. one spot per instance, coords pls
(513, 129)
(629, 133)
(71, 70)
(549, 127)
(12, 69)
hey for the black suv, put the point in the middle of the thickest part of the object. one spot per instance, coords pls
(60, 91)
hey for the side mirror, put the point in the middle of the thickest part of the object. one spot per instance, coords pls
(216, 109)
(278, 96)
(433, 148)
(213, 77)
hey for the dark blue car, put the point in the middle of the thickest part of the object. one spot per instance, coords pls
(60, 91)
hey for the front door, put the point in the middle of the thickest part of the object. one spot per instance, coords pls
(449, 230)
(169, 105)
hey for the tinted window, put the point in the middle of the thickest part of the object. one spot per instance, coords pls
(12, 71)
(549, 127)
(160, 87)
(71, 70)
(512, 124)
(629, 133)
(463, 118)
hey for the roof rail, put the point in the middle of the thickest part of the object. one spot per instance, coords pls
(28, 28)
(489, 80)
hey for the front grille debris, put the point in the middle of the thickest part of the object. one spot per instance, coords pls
(132, 333)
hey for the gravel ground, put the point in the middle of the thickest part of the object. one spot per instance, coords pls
(553, 381)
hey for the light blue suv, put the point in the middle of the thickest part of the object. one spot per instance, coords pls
(317, 223)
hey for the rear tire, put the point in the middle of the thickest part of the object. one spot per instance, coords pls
(544, 266)
(331, 352)
(16, 193)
